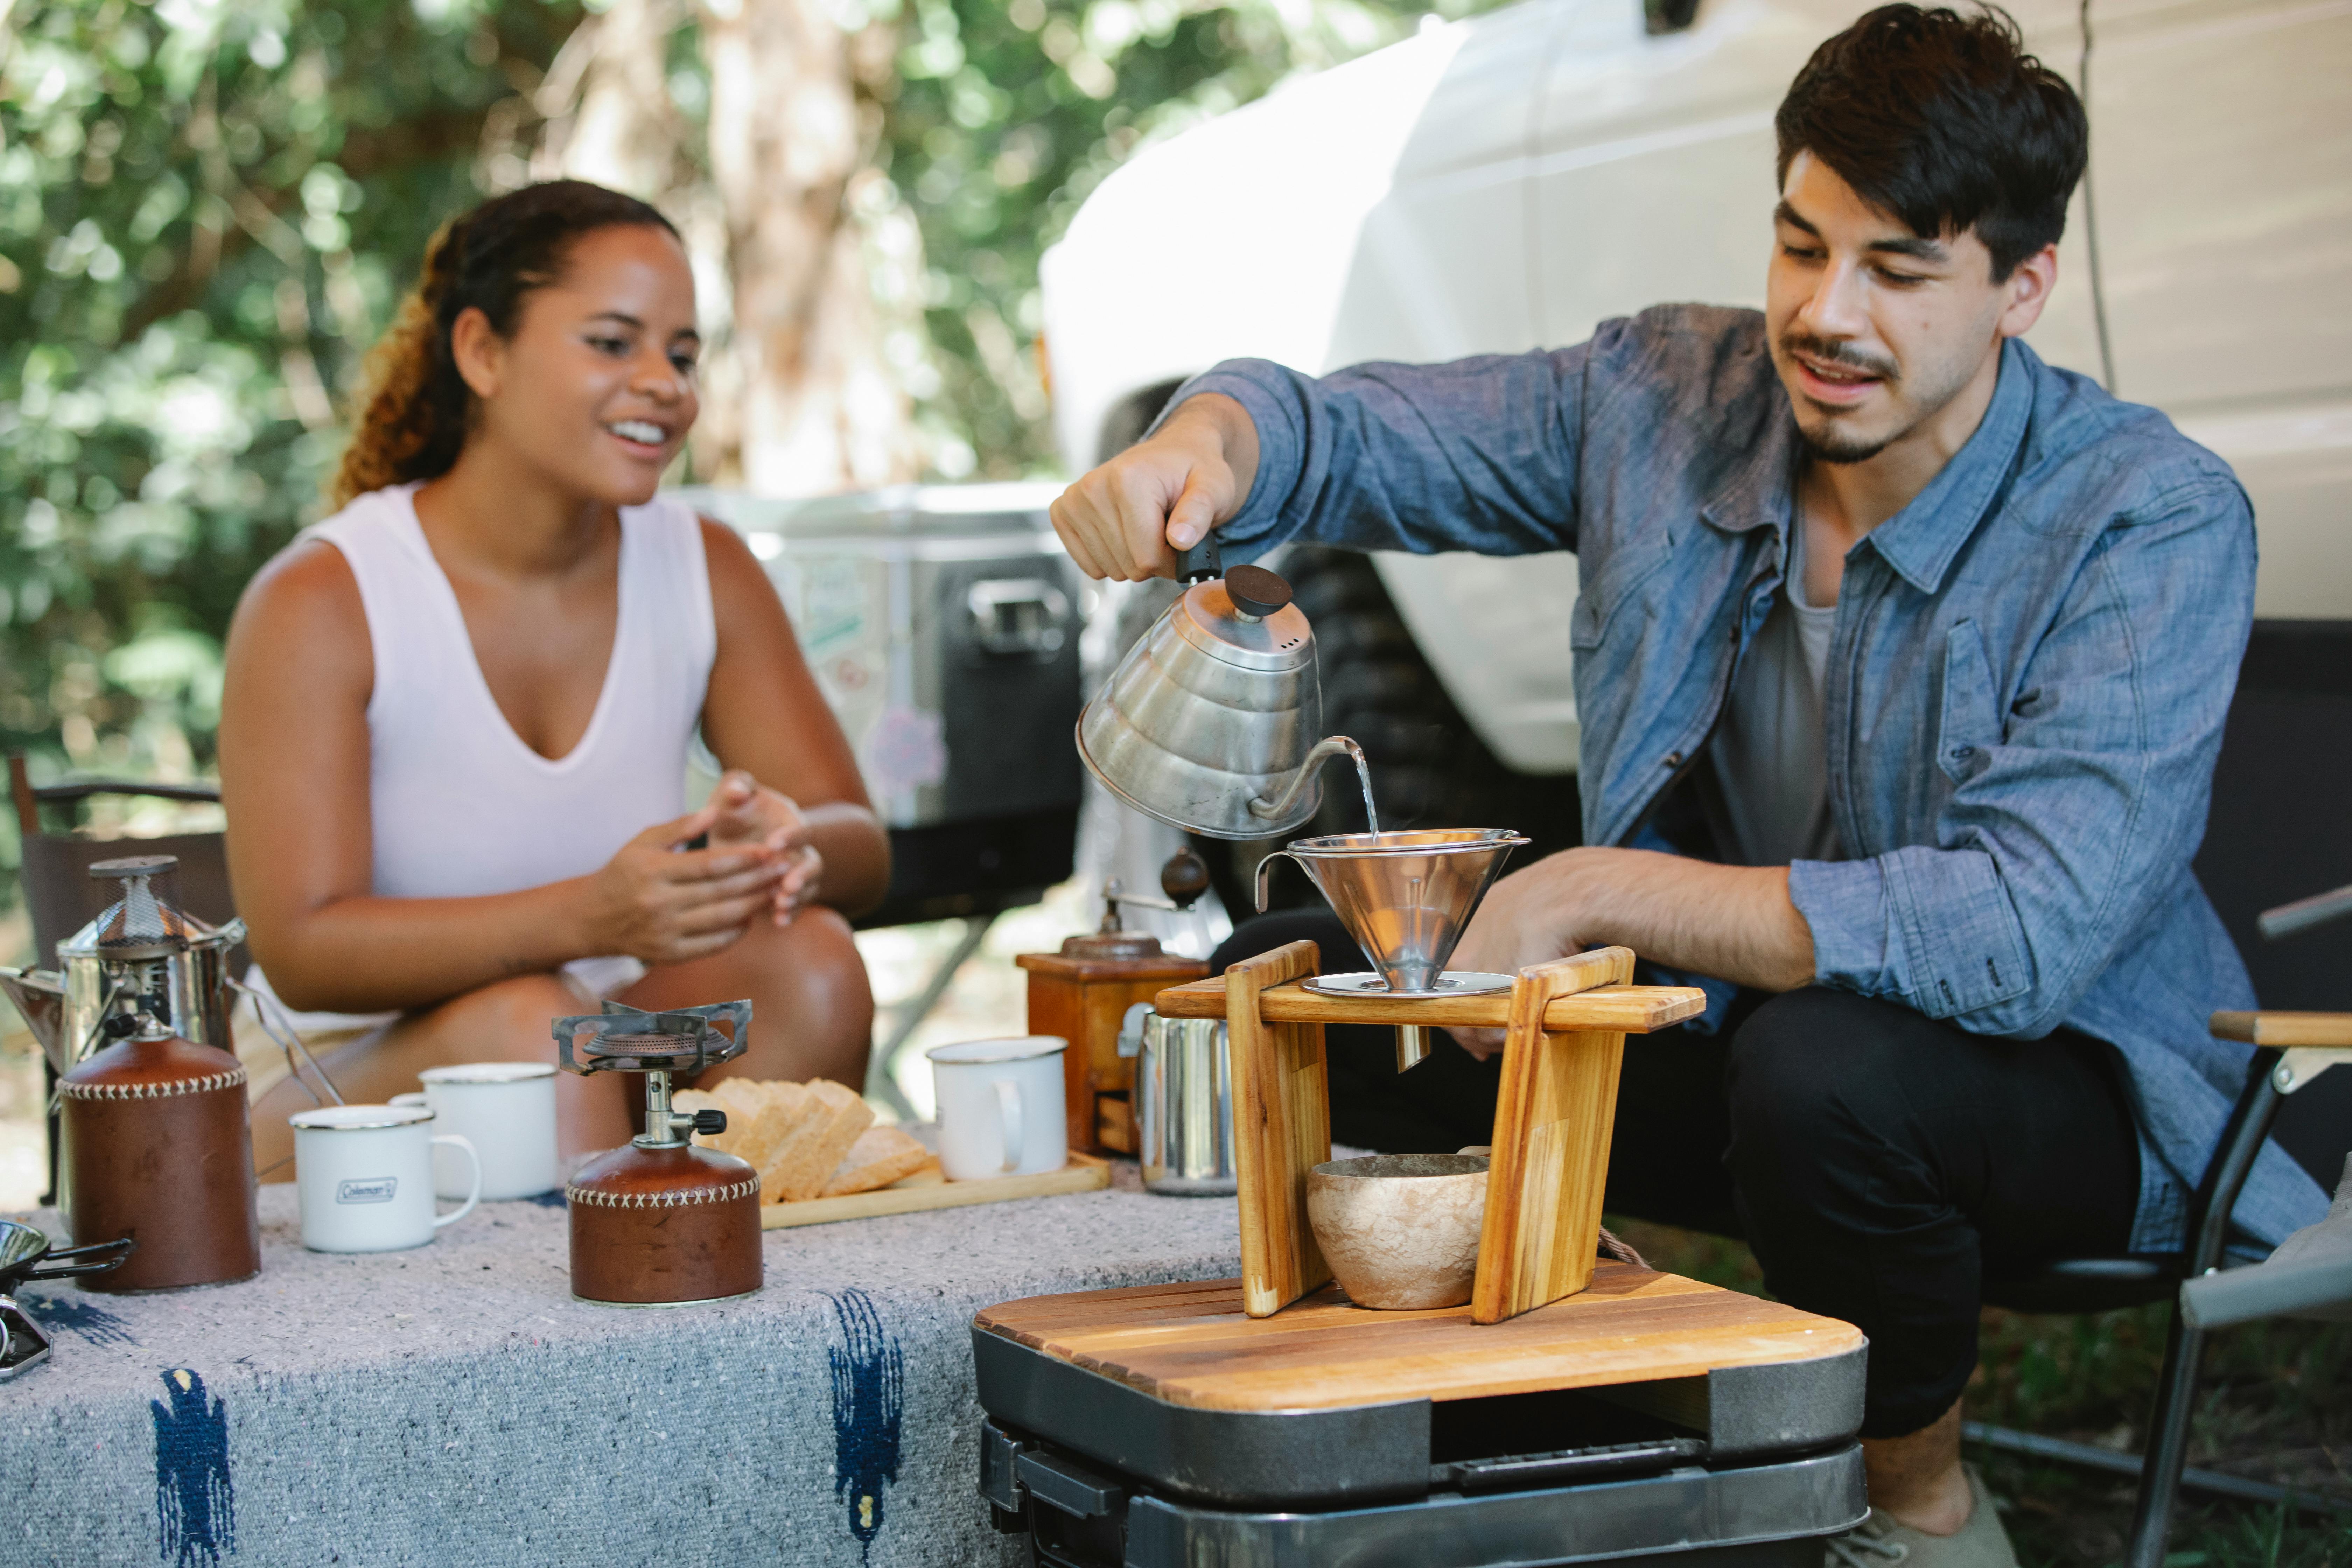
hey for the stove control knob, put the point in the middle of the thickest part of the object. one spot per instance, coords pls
(710, 1123)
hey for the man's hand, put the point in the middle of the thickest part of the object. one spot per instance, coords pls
(1127, 518)
(749, 813)
(1735, 922)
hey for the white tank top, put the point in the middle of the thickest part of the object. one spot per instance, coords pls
(460, 806)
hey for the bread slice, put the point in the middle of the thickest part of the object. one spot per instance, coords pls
(782, 1168)
(799, 1169)
(781, 1107)
(880, 1156)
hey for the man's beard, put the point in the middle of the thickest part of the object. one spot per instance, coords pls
(1833, 446)
(1830, 443)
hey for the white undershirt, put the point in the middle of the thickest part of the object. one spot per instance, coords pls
(1771, 755)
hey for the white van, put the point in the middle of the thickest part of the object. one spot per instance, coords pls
(1508, 182)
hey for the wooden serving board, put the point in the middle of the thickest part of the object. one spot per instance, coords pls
(1607, 1009)
(1193, 1344)
(1084, 1174)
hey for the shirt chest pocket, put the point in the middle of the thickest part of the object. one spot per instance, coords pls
(1606, 592)
(1972, 720)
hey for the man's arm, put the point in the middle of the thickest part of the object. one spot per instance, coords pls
(1478, 455)
(1735, 922)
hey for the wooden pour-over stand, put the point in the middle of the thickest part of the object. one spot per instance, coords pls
(1573, 1407)
(1565, 1024)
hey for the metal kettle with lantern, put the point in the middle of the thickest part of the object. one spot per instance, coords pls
(1214, 721)
(142, 945)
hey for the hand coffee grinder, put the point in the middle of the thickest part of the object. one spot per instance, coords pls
(1083, 992)
(157, 1137)
(660, 1222)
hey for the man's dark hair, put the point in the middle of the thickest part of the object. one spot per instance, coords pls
(1946, 122)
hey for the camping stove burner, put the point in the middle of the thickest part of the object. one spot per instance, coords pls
(659, 1222)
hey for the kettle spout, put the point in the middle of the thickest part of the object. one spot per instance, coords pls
(1304, 779)
(40, 996)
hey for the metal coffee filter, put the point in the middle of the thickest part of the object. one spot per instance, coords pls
(1406, 897)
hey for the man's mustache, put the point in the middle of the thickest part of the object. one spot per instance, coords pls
(1841, 354)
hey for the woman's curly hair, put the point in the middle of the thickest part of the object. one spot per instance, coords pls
(487, 259)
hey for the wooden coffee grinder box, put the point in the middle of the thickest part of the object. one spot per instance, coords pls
(1082, 992)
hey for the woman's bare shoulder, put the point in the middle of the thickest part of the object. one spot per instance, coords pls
(305, 602)
(738, 584)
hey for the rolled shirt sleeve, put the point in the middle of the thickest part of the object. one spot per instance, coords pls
(1476, 455)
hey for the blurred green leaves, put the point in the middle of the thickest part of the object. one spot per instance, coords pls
(207, 212)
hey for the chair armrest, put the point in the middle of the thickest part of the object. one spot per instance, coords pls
(2281, 1030)
(2309, 1043)
(84, 789)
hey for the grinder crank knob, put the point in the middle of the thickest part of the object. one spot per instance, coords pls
(710, 1123)
(1185, 877)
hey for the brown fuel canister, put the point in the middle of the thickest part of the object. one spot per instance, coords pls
(158, 1146)
(665, 1226)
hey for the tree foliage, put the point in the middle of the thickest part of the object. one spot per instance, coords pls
(207, 212)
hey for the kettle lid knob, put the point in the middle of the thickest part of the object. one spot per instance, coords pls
(1256, 592)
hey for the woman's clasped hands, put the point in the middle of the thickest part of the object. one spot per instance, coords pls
(660, 901)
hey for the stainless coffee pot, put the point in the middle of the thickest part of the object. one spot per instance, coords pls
(142, 945)
(1214, 721)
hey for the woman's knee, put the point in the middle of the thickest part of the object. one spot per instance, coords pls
(507, 1019)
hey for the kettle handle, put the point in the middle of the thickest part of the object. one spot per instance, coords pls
(1266, 868)
(1202, 560)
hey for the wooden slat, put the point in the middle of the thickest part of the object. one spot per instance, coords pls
(2322, 1029)
(1625, 1009)
(1553, 1116)
(1282, 1128)
(1195, 1344)
(1084, 1174)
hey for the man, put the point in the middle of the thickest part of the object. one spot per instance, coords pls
(1902, 660)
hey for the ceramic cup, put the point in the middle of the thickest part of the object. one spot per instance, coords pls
(364, 1177)
(1399, 1231)
(1000, 1106)
(507, 1112)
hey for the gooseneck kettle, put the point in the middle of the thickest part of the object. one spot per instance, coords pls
(1214, 721)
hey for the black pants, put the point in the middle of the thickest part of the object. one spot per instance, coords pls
(1881, 1164)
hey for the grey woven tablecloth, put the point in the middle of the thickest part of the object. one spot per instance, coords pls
(454, 1404)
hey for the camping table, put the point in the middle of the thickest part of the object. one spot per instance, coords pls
(454, 1404)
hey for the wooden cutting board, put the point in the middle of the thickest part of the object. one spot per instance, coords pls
(1084, 1174)
(1193, 1344)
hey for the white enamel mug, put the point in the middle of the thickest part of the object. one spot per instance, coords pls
(364, 1177)
(507, 1112)
(1000, 1106)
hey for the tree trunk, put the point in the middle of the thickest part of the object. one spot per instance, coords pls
(799, 396)
(821, 409)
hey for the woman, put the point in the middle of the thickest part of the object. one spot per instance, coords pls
(454, 736)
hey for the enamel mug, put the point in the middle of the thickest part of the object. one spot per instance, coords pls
(364, 1177)
(507, 1112)
(1000, 1106)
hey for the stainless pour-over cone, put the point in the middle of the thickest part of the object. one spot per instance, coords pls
(1406, 897)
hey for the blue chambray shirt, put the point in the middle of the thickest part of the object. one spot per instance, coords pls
(2026, 685)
